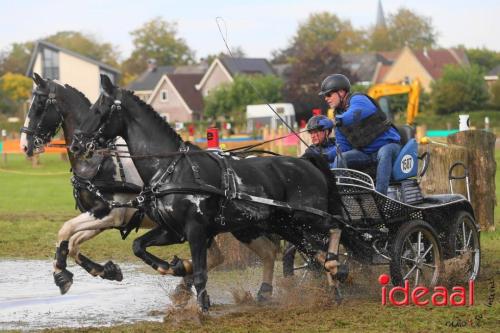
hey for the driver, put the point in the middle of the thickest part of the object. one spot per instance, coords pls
(364, 134)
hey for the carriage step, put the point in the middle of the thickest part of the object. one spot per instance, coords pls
(410, 192)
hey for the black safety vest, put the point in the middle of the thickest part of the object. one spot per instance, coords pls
(363, 131)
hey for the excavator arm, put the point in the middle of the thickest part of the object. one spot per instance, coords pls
(388, 89)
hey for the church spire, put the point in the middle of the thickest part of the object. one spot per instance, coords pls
(380, 16)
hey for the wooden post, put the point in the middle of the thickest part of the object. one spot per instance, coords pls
(442, 157)
(279, 143)
(481, 163)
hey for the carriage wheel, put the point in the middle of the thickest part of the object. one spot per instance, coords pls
(416, 255)
(463, 246)
(294, 260)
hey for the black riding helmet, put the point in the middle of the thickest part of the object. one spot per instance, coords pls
(333, 83)
(320, 123)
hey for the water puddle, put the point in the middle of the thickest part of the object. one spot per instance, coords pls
(30, 300)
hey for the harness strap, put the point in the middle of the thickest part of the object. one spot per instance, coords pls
(135, 222)
(169, 171)
(195, 169)
(281, 204)
(120, 166)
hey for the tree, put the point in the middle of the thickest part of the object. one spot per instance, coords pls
(484, 58)
(157, 39)
(459, 89)
(495, 94)
(87, 45)
(404, 28)
(319, 31)
(230, 100)
(15, 90)
(16, 58)
(306, 73)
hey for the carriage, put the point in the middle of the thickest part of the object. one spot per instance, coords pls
(419, 237)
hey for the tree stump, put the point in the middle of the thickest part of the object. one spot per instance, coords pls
(481, 163)
(236, 255)
(442, 157)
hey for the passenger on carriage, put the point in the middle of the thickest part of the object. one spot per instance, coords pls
(320, 127)
(363, 133)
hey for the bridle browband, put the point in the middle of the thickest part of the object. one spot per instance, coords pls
(42, 136)
(95, 138)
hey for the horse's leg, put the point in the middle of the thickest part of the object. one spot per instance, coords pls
(214, 259)
(267, 250)
(110, 270)
(158, 237)
(85, 221)
(197, 238)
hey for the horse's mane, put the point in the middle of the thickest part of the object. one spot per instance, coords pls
(78, 92)
(145, 106)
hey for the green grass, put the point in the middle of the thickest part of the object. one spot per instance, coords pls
(497, 189)
(434, 121)
(45, 189)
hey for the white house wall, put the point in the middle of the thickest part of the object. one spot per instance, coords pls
(217, 77)
(37, 67)
(80, 74)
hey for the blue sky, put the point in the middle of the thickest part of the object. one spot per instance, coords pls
(258, 26)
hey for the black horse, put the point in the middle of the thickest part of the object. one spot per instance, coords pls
(56, 105)
(198, 194)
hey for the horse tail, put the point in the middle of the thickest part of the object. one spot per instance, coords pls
(334, 203)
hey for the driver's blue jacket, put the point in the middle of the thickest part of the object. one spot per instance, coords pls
(361, 107)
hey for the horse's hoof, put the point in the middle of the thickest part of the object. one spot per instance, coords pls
(342, 273)
(204, 302)
(112, 272)
(64, 280)
(265, 292)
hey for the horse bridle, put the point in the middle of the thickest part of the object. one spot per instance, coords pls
(94, 139)
(42, 136)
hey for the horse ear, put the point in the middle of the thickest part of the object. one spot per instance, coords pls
(39, 81)
(107, 85)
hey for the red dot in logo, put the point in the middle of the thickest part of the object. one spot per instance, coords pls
(383, 279)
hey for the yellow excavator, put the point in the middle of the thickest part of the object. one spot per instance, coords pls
(388, 89)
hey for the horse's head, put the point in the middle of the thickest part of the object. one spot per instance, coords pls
(102, 124)
(43, 118)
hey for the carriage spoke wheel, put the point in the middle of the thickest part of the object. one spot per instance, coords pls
(463, 247)
(416, 255)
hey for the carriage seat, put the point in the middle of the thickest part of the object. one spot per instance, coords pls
(406, 164)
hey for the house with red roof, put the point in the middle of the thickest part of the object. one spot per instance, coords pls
(176, 99)
(426, 65)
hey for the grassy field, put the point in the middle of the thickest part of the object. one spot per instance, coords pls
(434, 121)
(34, 202)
